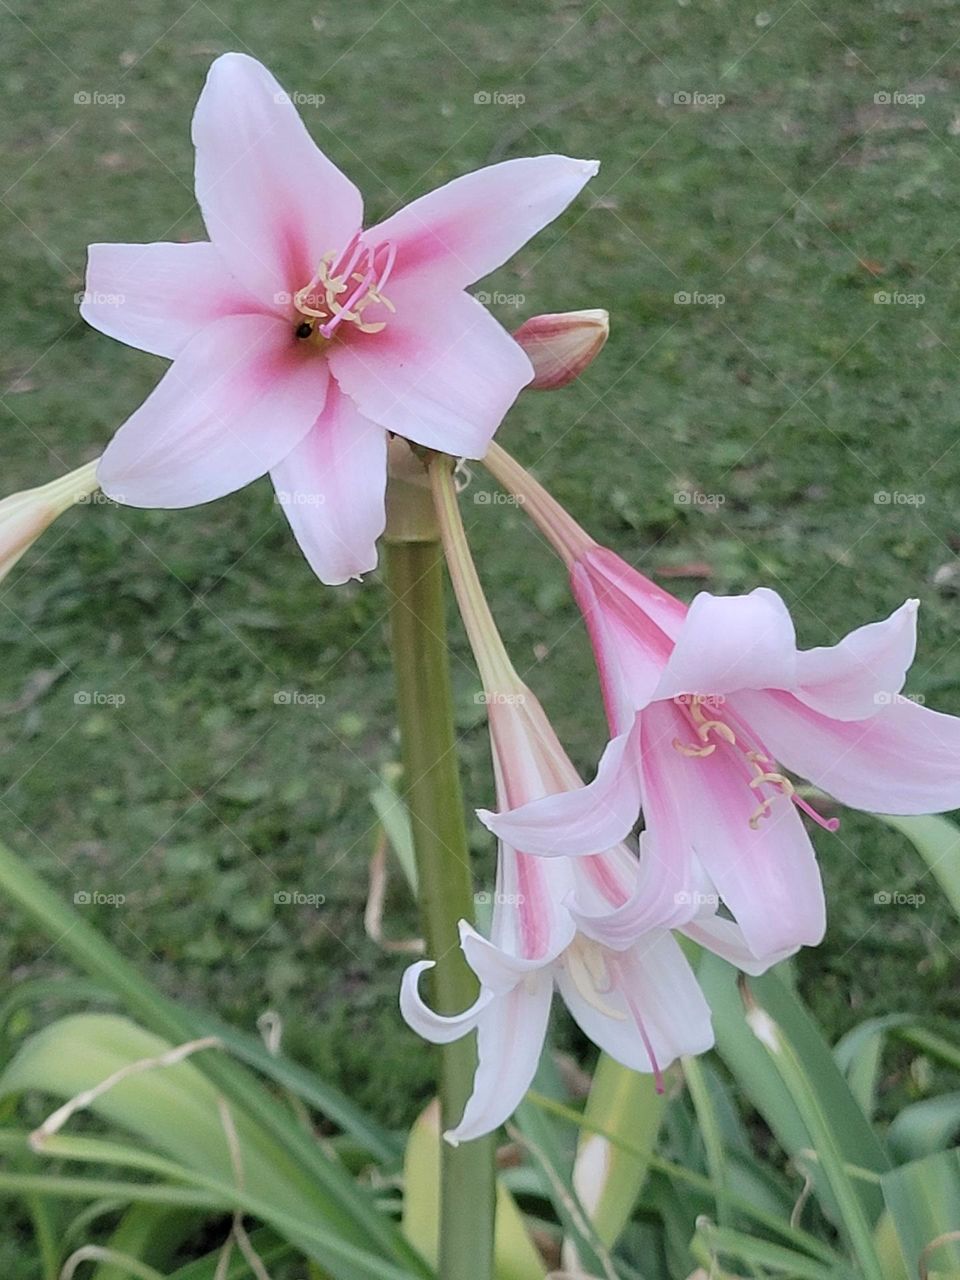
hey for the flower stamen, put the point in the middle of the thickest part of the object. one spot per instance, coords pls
(359, 272)
(765, 767)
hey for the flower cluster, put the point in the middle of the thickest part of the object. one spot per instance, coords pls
(300, 344)
(708, 706)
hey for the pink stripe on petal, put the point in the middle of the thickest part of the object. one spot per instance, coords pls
(272, 202)
(235, 402)
(331, 487)
(156, 296)
(442, 373)
(466, 229)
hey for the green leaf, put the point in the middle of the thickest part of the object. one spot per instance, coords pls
(758, 1077)
(515, 1256)
(175, 1111)
(711, 1242)
(395, 820)
(817, 1116)
(151, 1233)
(269, 1248)
(608, 1179)
(337, 1199)
(925, 1127)
(330, 1102)
(937, 840)
(858, 1055)
(924, 1202)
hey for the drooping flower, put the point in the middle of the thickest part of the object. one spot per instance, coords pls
(562, 345)
(24, 516)
(562, 922)
(558, 923)
(299, 340)
(708, 708)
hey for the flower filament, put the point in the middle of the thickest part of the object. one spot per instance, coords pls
(343, 286)
(763, 766)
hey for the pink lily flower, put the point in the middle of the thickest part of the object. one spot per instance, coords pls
(560, 923)
(708, 706)
(298, 339)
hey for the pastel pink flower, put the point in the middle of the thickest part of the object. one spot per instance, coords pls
(298, 339)
(708, 707)
(559, 923)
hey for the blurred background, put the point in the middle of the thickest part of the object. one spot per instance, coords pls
(191, 726)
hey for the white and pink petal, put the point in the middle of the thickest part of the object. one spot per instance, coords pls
(238, 398)
(332, 486)
(651, 1011)
(903, 760)
(469, 227)
(272, 202)
(864, 672)
(732, 642)
(156, 296)
(590, 819)
(443, 372)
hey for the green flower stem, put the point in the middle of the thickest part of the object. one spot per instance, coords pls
(432, 791)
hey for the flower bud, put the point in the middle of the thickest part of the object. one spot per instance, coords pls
(24, 516)
(560, 346)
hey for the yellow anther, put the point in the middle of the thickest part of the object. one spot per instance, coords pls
(325, 289)
(686, 749)
(706, 727)
(762, 811)
(776, 780)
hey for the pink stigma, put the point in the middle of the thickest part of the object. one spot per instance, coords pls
(828, 824)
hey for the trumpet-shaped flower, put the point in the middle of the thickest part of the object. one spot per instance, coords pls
(709, 708)
(560, 923)
(298, 339)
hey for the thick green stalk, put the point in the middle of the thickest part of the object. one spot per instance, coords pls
(432, 791)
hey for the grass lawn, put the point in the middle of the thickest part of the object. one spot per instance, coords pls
(784, 393)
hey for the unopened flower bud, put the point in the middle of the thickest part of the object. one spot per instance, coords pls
(24, 516)
(560, 346)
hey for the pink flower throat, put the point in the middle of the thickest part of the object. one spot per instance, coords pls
(762, 766)
(343, 286)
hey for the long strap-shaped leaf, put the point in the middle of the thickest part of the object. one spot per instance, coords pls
(339, 1201)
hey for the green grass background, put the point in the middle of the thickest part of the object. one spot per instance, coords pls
(795, 401)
